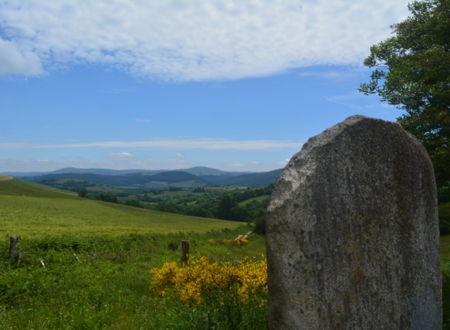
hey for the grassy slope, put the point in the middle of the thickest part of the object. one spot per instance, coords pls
(258, 199)
(5, 178)
(29, 209)
(100, 278)
(17, 187)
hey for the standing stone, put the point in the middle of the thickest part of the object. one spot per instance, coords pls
(352, 233)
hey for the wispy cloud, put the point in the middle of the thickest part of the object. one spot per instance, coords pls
(189, 40)
(16, 60)
(122, 155)
(205, 144)
(335, 73)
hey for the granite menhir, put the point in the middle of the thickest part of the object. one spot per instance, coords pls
(353, 235)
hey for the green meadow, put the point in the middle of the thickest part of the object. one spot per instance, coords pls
(85, 264)
(32, 210)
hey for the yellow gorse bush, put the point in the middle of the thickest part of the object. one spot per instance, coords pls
(241, 241)
(195, 280)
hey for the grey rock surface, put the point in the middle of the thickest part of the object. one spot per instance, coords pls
(352, 233)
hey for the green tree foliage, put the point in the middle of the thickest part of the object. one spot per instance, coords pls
(108, 197)
(444, 217)
(238, 204)
(412, 72)
(226, 204)
(133, 202)
(82, 192)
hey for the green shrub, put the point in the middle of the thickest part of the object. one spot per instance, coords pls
(444, 219)
(446, 293)
(225, 312)
(444, 225)
(260, 226)
(173, 246)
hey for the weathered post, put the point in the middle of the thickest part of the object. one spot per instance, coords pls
(184, 252)
(352, 233)
(14, 250)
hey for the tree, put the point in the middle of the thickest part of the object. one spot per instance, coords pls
(82, 192)
(108, 197)
(225, 206)
(133, 202)
(412, 72)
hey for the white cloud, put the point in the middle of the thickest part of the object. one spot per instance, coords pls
(122, 155)
(13, 60)
(192, 40)
(202, 144)
(337, 74)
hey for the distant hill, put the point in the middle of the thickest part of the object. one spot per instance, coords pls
(172, 178)
(245, 180)
(256, 179)
(23, 174)
(158, 179)
(100, 171)
(198, 170)
(202, 170)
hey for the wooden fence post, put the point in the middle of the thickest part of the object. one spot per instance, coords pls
(184, 252)
(14, 252)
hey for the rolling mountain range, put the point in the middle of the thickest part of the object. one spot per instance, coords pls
(153, 179)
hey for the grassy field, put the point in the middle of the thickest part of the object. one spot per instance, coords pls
(16, 187)
(97, 258)
(28, 209)
(95, 282)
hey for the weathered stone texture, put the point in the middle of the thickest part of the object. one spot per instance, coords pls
(352, 231)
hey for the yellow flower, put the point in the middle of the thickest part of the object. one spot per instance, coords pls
(192, 282)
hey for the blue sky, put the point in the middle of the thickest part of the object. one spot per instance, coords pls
(83, 86)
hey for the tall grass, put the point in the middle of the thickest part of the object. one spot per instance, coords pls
(100, 281)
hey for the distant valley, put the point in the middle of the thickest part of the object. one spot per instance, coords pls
(196, 191)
